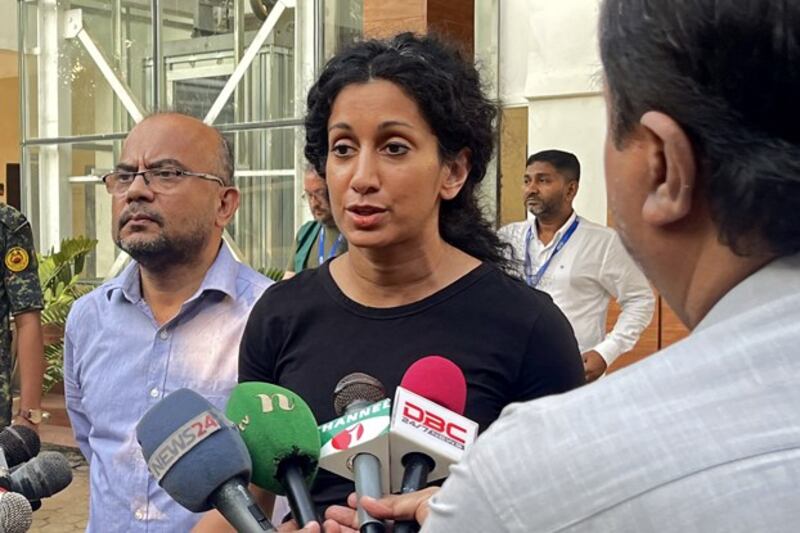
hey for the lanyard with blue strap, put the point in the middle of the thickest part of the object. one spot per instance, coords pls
(321, 245)
(534, 279)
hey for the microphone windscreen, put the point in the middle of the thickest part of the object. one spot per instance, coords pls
(16, 515)
(19, 443)
(439, 380)
(277, 426)
(357, 388)
(46, 474)
(191, 448)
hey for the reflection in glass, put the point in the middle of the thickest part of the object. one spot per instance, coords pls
(73, 121)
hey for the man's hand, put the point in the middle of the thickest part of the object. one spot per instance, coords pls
(19, 421)
(412, 506)
(593, 365)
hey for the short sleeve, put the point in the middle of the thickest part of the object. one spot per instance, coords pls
(21, 275)
(257, 354)
(552, 362)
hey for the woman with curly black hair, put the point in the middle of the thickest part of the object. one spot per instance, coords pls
(402, 133)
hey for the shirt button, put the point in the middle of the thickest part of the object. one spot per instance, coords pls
(139, 514)
(164, 334)
(154, 393)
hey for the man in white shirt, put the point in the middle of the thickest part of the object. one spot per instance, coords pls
(582, 265)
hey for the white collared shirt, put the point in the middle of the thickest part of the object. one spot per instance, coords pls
(592, 267)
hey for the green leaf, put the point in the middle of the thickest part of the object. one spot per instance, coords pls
(59, 275)
(273, 273)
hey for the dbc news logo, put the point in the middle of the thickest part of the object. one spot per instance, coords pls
(434, 424)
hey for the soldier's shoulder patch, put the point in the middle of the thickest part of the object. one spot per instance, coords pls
(17, 259)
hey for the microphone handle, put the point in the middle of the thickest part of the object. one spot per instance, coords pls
(367, 470)
(415, 477)
(300, 500)
(234, 501)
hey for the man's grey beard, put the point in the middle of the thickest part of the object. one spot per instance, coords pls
(163, 253)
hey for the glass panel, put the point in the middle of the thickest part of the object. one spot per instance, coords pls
(198, 53)
(264, 225)
(199, 62)
(344, 21)
(66, 93)
(86, 200)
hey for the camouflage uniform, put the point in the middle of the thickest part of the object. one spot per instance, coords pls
(19, 291)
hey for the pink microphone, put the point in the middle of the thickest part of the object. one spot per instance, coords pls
(429, 432)
(439, 380)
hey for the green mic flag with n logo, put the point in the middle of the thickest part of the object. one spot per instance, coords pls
(276, 424)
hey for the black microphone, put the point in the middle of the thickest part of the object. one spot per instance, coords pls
(41, 477)
(18, 444)
(15, 513)
(353, 393)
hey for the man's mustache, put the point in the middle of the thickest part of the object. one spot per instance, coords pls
(130, 213)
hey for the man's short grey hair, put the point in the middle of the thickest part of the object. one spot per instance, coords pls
(225, 159)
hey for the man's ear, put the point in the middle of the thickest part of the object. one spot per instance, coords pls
(457, 171)
(672, 170)
(572, 189)
(227, 206)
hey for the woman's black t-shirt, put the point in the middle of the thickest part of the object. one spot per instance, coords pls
(511, 341)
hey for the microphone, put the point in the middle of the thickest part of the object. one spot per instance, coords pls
(16, 515)
(46, 474)
(199, 459)
(280, 432)
(356, 445)
(428, 433)
(18, 444)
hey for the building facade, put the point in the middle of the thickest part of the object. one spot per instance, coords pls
(88, 70)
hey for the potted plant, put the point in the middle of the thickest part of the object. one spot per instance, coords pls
(59, 274)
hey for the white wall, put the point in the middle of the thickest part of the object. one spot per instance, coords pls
(515, 32)
(549, 62)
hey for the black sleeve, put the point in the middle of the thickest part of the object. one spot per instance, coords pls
(257, 352)
(552, 363)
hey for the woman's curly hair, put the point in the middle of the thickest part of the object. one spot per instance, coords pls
(448, 91)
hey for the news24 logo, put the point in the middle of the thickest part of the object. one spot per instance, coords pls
(181, 441)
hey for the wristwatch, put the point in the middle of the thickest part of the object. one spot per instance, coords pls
(34, 416)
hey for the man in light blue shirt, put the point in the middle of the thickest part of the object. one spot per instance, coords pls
(172, 319)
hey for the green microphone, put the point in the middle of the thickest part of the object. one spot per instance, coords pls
(281, 434)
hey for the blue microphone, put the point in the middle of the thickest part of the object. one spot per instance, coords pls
(198, 457)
